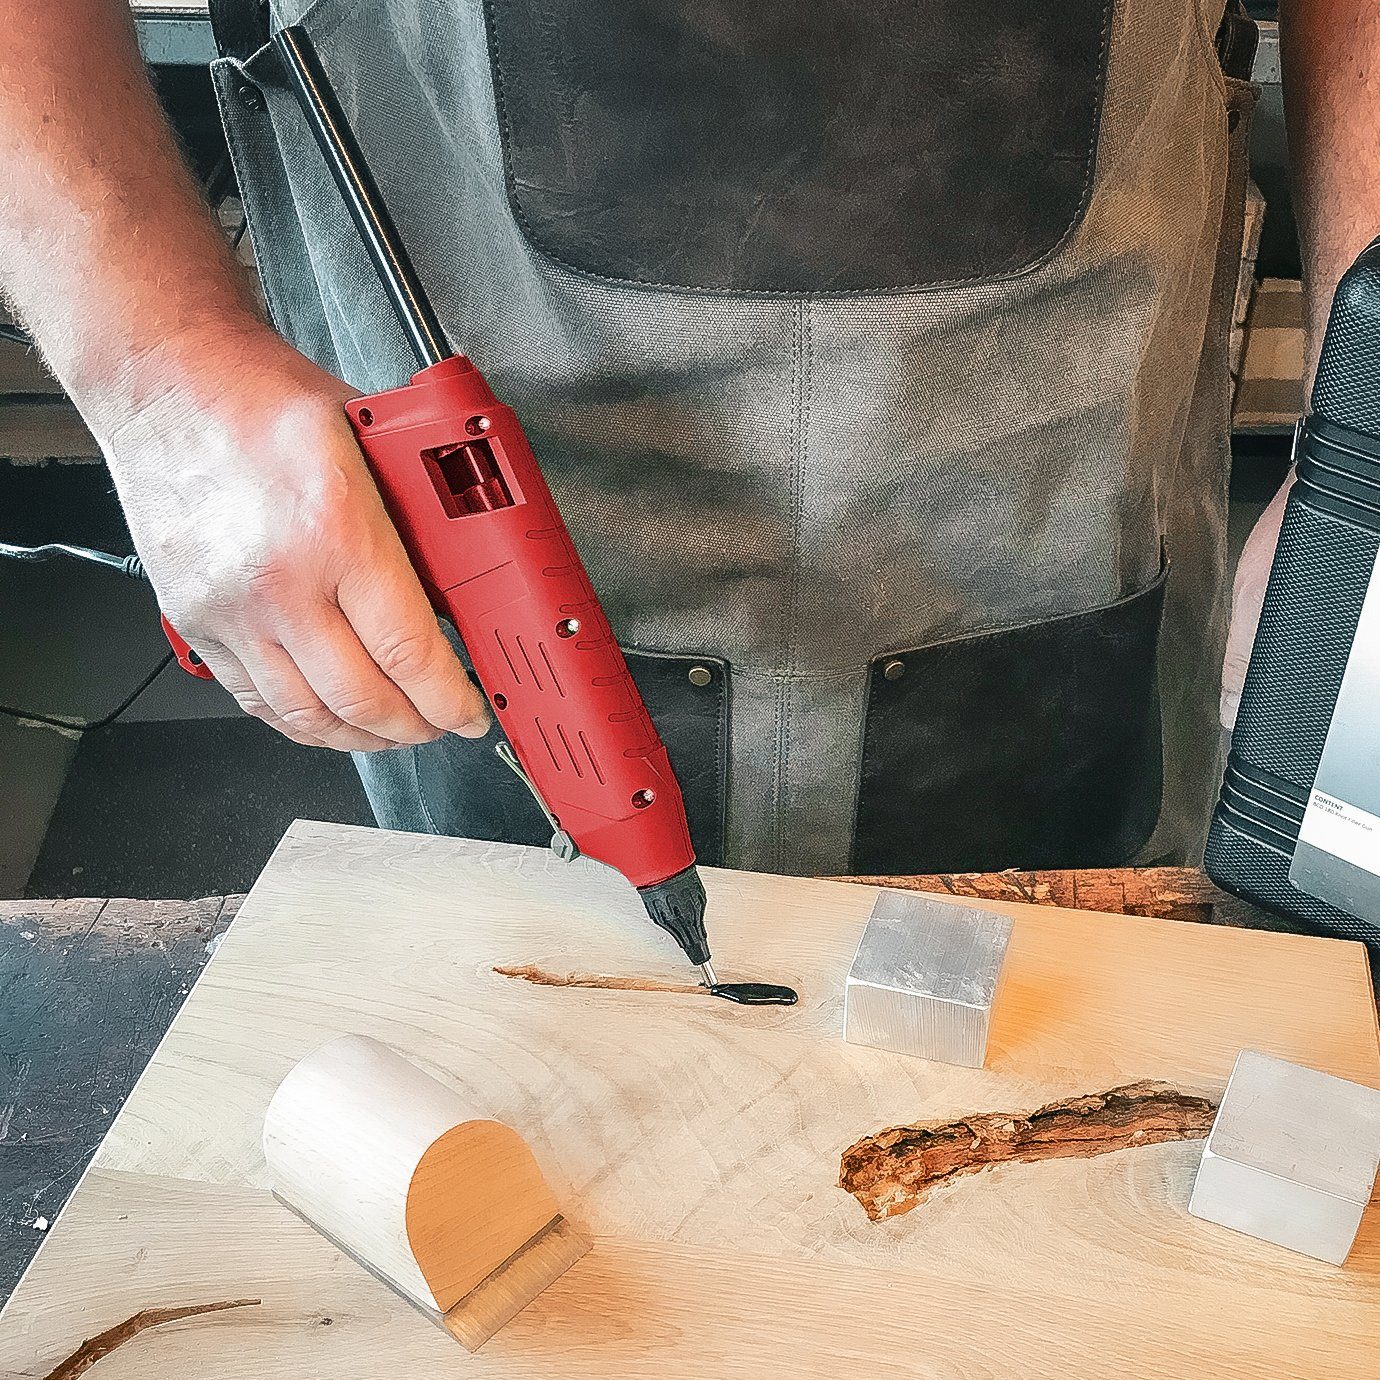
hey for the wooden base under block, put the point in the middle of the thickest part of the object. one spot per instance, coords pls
(525, 1274)
(499, 1298)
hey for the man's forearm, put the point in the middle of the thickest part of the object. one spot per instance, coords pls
(1331, 54)
(107, 250)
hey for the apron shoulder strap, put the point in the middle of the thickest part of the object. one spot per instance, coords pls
(1237, 37)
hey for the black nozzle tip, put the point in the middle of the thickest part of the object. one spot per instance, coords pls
(677, 905)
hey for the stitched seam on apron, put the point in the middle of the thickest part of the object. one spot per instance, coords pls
(788, 610)
(800, 443)
(857, 672)
(722, 752)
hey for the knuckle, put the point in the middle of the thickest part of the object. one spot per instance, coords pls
(406, 656)
(313, 719)
(253, 704)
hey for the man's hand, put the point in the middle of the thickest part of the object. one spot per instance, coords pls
(271, 552)
(1247, 596)
(247, 496)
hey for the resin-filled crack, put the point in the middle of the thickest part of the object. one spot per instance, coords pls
(743, 993)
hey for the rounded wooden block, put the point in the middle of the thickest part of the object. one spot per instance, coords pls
(388, 1162)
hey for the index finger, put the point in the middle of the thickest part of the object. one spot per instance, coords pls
(398, 628)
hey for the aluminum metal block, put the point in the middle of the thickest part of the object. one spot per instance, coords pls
(1291, 1158)
(925, 978)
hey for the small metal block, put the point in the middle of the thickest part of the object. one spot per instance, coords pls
(1291, 1158)
(925, 978)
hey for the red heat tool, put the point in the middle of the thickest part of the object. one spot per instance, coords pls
(482, 531)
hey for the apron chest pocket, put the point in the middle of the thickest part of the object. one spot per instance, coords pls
(1035, 746)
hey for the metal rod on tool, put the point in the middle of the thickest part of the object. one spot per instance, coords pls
(345, 159)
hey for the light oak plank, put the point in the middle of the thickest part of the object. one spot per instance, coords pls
(699, 1142)
(639, 1311)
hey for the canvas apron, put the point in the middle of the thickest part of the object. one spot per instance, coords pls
(876, 356)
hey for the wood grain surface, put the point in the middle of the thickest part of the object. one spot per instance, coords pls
(700, 1143)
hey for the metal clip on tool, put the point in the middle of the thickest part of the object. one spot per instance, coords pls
(562, 845)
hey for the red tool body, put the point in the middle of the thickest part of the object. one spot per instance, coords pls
(482, 531)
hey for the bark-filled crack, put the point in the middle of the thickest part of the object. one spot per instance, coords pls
(891, 1172)
(94, 1348)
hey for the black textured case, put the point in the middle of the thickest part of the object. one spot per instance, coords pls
(1322, 569)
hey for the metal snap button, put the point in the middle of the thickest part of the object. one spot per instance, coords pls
(700, 675)
(894, 670)
(251, 98)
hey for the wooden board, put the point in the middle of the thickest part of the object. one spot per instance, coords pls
(700, 1143)
(1172, 893)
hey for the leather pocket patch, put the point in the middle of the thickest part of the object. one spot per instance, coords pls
(798, 146)
(1037, 746)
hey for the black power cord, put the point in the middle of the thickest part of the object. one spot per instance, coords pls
(131, 566)
(83, 725)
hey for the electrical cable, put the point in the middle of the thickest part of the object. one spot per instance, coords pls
(78, 725)
(17, 334)
(126, 565)
(131, 566)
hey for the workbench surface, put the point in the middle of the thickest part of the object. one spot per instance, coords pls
(701, 1143)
